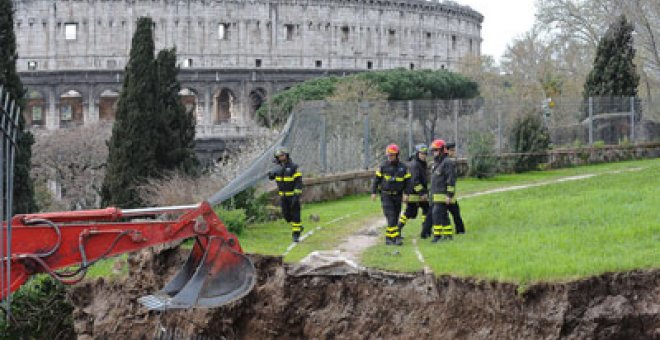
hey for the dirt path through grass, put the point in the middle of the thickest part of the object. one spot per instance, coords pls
(371, 233)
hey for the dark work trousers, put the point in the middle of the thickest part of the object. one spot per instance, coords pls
(411, 211)
(455, 212)
(391, 208)
(290, 208)
(427, 224)
(440, 216)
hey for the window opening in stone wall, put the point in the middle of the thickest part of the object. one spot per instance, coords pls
(111, 64)
(453, 42)
(370, 65)
(108, 104)
(391, 36)
(319, 63)
(222, 31)
(71, 31)
(32, 65)
(470, 46)
(188, 62)
(344, 33)
(35, 105)
(257, 62)
(412, 66)
(428, 39)
(289, 32)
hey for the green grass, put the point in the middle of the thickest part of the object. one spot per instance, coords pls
(555, 232)
(273, 238)
(532, 234)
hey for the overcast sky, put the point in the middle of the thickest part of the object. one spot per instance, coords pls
(503, 21)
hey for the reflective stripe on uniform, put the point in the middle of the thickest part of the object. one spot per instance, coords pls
(286, 193)
(418, 187)
(403, 219)
(437, 230)
(392, 231)
(296, 226)
(378, 173)
(451, 188)
(413, 198)
(447, 230)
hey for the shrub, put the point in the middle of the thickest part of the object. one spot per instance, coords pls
(530, 140)
(252, 202)
(39, 310)
(483, 161)
(234, 219)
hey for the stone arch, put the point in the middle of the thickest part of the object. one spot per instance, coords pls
(35, 108)
(224, 106)
(258, 97)
(71, 108)
(108, 100)
(190, 100)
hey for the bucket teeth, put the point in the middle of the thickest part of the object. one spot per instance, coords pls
(155, 302)
(214, 275)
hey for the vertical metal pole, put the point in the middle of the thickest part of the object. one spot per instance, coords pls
(366, 141)
(10, 196)
(591, 121)
(456, 103)
(323, 146)
(632, 120)
(2, 201)
(410, 127)
(499, 128)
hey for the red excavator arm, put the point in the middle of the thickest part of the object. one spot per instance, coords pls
(216, 272)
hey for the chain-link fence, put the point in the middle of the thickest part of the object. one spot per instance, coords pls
(9, 113)
(327, 137)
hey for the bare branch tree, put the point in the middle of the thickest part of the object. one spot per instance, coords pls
(74, 159)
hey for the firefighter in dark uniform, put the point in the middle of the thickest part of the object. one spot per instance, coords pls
(392, 180)
(289, 184)
(453, 207)
(418, 197)
(443, 181)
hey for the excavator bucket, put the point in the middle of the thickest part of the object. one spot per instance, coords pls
(214, 275)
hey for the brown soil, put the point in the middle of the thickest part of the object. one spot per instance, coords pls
(375, 305)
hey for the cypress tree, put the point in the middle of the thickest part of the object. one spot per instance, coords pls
(614, 73)
(133, 144)
(23, 201)
(177, 141)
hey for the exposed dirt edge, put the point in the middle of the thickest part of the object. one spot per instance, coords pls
(377, 305)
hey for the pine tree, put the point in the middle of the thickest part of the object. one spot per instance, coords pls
(177, 140)
(23, 201)
(614, 73)
(133, 145)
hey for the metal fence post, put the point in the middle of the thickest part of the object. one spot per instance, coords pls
(591, 121)
(410, 127)
(455, 109)
(2, 200)
(632, 119)
(499, 127)
(366, 141)
(323, 146)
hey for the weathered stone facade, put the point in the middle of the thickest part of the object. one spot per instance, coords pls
(290, 34)
(234, 54)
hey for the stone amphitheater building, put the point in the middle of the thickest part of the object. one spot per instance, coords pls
(234, 54)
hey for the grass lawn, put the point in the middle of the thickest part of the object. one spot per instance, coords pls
(562, 231)
(497, 225)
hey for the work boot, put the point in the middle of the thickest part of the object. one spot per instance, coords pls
(388, 241)
(425, 235)
(436, 239)
(296, 236)
(448, 237)
(397, 241)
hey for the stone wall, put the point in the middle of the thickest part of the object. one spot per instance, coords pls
(294, 34)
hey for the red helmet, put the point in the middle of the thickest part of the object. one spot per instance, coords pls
(392, 149)
(437, 144)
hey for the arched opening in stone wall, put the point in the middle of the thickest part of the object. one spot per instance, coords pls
(71, 108)
(35, 108)
(189, 100)
(108, 105)
(257, 98)
(224, 103)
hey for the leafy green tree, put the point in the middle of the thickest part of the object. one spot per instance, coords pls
(177, 141)
(23, 201)
(529, 140)
(483, 160)
(133, 146)
(614, 72)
